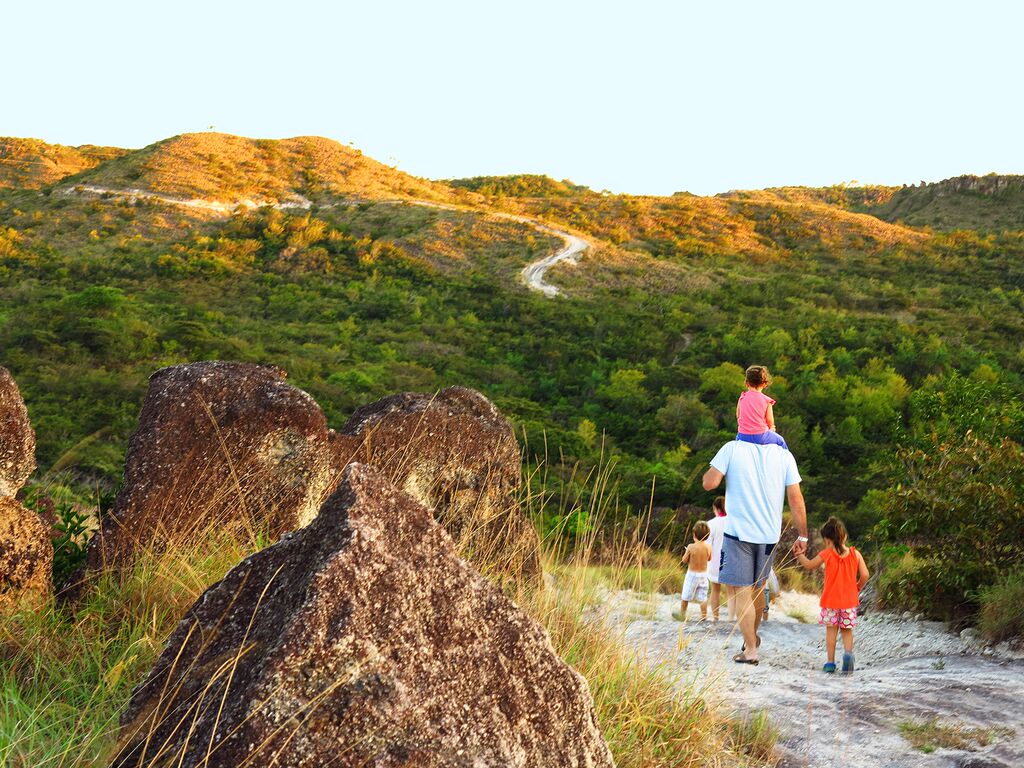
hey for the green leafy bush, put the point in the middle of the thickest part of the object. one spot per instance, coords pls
(960, 508)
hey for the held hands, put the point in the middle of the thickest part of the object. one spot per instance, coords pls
(799, 547)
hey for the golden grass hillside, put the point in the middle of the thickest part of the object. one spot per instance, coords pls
(757, 226)
(32, 164)
(222, 167)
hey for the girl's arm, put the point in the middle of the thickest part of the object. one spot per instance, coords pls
(769, 417)
(862, 571)
(737, 411)
(810, 565)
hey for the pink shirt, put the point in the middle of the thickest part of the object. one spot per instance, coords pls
(752, 412)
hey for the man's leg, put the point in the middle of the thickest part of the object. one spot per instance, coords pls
(745, 609)
(757, 598)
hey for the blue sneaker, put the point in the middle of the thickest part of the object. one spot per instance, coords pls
(847, 663)
(829, 667)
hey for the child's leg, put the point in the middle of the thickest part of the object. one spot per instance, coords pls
(847, 640)
(831, 633)
(704, 610)
(683, 605)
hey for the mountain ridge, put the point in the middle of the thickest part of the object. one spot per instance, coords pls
(235, 169)
(33, 164)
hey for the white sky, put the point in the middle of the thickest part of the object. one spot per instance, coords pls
(642, 97)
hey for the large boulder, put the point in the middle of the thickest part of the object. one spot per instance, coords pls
(17, 438)
(361, 639)
(26, 551)
(26, 557)
(219, 447)
(456, 454)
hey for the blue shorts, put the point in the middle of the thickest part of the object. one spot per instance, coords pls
(764, 438)
(743, 563)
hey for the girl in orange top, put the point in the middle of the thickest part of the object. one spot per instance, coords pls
(845, 576)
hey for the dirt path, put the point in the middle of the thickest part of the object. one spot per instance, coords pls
(908, 672)
(532, 274)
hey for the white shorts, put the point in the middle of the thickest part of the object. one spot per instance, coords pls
(695, 587)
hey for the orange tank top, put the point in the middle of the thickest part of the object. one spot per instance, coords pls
(840, 579)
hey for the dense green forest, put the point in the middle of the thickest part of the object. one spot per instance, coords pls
(865, 324)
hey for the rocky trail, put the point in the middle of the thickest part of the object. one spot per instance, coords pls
(909, 672)
(532, 274)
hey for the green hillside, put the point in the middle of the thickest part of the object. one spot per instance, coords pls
(858, 317)
(987, 203)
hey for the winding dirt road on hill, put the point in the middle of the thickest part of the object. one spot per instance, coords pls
(908, 671)
(533, 273)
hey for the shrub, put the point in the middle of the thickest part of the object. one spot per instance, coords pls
(899, 579)
(960, 495)
(1002, 608)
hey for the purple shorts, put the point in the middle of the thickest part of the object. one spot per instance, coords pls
(763, 438)
(844, 618)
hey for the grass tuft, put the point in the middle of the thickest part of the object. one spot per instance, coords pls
(929, 735)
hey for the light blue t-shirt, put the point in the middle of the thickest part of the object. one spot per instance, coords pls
(756, 477)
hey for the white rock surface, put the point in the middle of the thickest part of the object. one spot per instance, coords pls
(907, 669)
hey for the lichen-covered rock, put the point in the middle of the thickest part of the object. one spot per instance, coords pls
(456, 454)
(219, 446)
(362, 639)
(17, 438)
(26, 557)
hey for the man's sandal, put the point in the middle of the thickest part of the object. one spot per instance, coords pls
(829, 668)
(739, 658)
(744, 646)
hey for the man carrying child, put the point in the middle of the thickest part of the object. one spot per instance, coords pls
(760, 478)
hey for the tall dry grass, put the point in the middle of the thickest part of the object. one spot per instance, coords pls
(650, 716)
(65, 676)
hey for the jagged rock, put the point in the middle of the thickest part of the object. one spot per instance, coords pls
(457, 455)
(26, 552)
(219, 445)
(26, 557)
(361, 639)
(17, 438)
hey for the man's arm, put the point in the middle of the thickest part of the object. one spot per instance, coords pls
(795, 497)
(712, 479)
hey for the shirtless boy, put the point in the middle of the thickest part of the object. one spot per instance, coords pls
(695, 585)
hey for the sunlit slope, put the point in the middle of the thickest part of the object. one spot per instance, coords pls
(33, 164)
(222, 167)
(758, 225)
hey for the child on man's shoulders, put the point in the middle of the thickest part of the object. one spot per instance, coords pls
(755, 419)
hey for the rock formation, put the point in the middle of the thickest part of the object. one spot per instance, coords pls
(26, 552)
(219, 446)
(457, 455)
(361, 639)
(17, 438)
